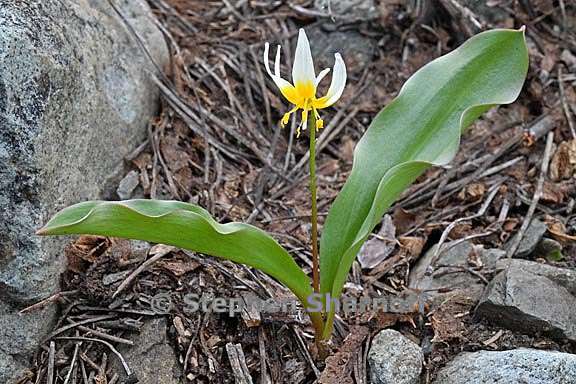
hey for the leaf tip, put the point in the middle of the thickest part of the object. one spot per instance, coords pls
(42, 231)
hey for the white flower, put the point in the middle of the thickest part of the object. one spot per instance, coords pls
(302, 91)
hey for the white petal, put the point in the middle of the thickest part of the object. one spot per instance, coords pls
(303, 69)
(277, 62)
(267, 58)
(338, 82)
(284, 86)
(321, 75)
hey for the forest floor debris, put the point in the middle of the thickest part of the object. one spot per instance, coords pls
(217, 143)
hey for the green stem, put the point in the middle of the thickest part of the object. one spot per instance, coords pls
(317, 318)
(328, 325)
(314, 214)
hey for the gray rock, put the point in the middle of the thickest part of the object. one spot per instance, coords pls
(451, 273)
(521, 300)
(350, 9)
(139, 249)
(152, 358)
(562, 276)
(357, 48)
(488, 15)
(526, 366)
(471, 16)
(75, 97)
(531, 238)
(394, 359)
(11, 368)
(128, 185)
(19, 334)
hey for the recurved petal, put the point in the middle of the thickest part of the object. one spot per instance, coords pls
(320, 76)
(267, 59)
(336, 86)
(287, 89)
(277, 62)
(303, 69)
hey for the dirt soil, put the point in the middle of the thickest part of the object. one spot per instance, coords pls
(217, 143)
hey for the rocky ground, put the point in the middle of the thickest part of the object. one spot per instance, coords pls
(75, 98)
(485, 248)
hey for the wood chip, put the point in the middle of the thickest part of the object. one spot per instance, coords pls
(493, 339)
(238, 363)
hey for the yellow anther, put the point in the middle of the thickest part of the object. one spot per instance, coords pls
(301, 93)
(305, 113)
(285, 119)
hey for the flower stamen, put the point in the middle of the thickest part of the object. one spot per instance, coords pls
(305, 114)
(301, 93)
(304, 121)
(319, 121)
(286, 117)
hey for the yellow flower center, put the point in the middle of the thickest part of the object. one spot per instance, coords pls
(303, 96)
(305, 90)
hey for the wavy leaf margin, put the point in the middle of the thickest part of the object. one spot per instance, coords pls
(185, 226)
(342, 236)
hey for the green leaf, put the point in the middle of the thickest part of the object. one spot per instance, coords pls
(185, 226)
(418, 129)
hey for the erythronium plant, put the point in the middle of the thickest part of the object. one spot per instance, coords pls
(302, 94)
(420, 128)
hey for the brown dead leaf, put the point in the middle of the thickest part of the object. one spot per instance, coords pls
(175, 157)
(472, 192)
(461, 230)
(510, 224)
(535, 90)
(347, 148)
(551, 53)
(178, 267)
(142, 161)
(386, 320)
(447, 320)
(338, 369)
(558, 229)
(412, 245)
(563, 163)
(410, 248)
(517, 171)
(90, 247)
(184, 178)
(85, 251)
(548, 62)
(404, 220)
(553, 193)
(231, 188)
(379, 248)
(75, 262)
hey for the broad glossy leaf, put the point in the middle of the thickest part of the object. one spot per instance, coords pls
(418, 129)
(185, 226)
